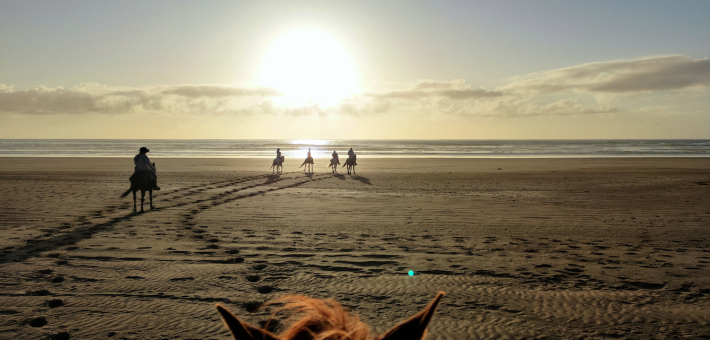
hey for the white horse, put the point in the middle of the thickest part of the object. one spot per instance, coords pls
(334, 162)
(276, 165)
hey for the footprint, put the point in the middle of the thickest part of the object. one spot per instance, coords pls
(253, 278)
(59, 336)
(251, 306)
(39, 321)
(182, 279)
(265, 289)
(54, 303)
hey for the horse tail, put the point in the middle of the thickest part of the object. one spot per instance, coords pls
(125, 193)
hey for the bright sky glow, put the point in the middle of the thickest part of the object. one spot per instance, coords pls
(311, 141)
(310, 68)
(365, 69)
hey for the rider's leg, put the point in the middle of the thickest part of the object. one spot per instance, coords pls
(155, 184)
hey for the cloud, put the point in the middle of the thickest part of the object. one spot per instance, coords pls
(455, 89)
(211, 91)
(591, 88)
(524, 107)
(456, 98)
(655, 73)
(92, 98)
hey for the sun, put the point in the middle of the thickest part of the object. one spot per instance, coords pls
(309, 67)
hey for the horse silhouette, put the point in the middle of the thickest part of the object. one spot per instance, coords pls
(276, 165)
(351, 162)
(142, 181)
(326, 319)
(334, 165)
(308, 162)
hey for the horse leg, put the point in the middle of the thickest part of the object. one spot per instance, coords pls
(142, 199)
(354, 170)
(150, 195)
(134, 201)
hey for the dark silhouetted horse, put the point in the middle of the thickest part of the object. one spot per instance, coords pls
(351, 162)
(143, 181)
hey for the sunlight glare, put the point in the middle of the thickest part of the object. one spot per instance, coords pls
(310, 68)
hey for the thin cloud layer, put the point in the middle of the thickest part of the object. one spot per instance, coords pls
(91, 98)
(455, 89)
(592, 88)
(656, 73)
(211, 91)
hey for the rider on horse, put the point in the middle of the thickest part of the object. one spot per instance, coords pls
(309, 159)
(335, 157)
(144, 166)
(351, 154)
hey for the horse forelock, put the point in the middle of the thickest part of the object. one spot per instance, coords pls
(320, 320)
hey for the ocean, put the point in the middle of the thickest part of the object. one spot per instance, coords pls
(235, 148)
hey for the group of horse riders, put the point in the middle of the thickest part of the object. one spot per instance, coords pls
(145, 167)
(309, 158)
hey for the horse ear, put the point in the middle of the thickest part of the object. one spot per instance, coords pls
(415, 327)
(242, 330)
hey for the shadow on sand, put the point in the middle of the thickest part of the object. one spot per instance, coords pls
(363, 180)
(35, 248)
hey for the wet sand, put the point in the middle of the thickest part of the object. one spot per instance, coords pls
(524, 248)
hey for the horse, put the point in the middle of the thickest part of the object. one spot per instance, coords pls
(307, 162)
(334, 165)
(326, 319)
(276, 165)
(142, 181)
(351, 162)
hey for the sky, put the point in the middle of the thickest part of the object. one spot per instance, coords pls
(355, 69)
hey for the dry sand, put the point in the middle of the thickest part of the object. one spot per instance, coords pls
(524, 248)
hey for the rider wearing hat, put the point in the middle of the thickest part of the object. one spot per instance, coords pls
(143, 164)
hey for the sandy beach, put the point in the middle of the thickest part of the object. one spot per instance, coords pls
(591, 248)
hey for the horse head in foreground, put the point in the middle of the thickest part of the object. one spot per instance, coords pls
(327, 320)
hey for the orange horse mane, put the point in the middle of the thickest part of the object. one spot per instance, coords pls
(327, 320)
